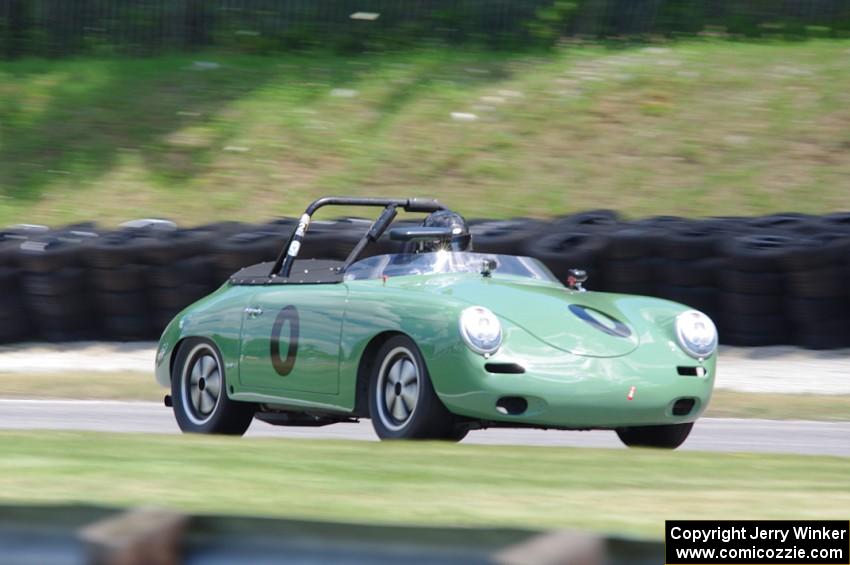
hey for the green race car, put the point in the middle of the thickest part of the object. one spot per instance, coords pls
(433, 342)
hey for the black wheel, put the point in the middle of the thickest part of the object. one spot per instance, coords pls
(199, 396)
(456, 435)
(402, 401)
(668, 436)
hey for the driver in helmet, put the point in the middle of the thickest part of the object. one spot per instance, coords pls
(461, 238)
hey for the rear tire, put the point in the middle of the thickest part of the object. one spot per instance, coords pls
(668, 436)
(402, 400)
(199, 392)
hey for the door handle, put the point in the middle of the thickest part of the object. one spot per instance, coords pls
(253, 312)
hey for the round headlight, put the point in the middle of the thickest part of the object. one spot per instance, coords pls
(481, 330)
(697, 334)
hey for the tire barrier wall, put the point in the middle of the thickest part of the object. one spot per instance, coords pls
(769, 280)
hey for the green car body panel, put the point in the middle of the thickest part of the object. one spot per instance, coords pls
(575, 375)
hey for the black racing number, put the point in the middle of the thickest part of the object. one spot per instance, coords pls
(285, 366)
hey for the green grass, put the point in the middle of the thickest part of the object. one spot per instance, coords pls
(731, 404)
(141, 386)
(405, 483)
(690, 128)
(81, 386)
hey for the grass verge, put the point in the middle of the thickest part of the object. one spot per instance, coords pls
(694, 128)
(81, 386)
(141, 386)
(406, 483)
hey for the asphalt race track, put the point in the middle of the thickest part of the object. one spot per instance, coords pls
(709, 434)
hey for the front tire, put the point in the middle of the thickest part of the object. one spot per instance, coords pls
(199, 392)
(668, 436)
(402, 400)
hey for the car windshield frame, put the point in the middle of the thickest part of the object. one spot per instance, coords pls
(448, 262)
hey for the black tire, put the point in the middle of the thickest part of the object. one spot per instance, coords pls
(758, 253)
(704, 299)
(226, 416)
(668, 436)
(177, 298)
(171, 247)
(816, 311)
(49, 254)
(828, 282)
(127, 327)
(508, 237)
(629, 271)
(10, 281)
(194, 270)
(745, 282)
(638, 288)
(121, 303)
(696, 273)
(817, 340)
(59, 306)
(575, 249)
(594, 220)
(127, 278)
(69, 281)
(818, 251)
(116, 249)
(837, 221)
(754, 339)
(456, 435)
(632, 242)
(689, 241)
(766, 324)
(752, 304)
(786, 221)
(425, 417)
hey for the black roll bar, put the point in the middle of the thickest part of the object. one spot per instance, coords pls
(283, 265)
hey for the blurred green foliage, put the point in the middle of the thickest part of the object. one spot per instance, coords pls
(57, 27)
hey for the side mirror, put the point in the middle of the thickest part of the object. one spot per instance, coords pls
(576, 278)
(488, 265)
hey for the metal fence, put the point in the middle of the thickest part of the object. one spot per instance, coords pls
(56, 27)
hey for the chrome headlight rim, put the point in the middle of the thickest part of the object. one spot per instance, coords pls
(686, 344)
(471, 342)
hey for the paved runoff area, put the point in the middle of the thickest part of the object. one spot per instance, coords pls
(772, 369)
(765, 369)
(709, 434)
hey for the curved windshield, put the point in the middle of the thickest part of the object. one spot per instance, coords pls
(402, 264)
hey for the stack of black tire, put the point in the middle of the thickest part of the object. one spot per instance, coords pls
(245, 247)
(818, 299)
(509, 237)
(630, 259)
(753, 290)
(575, 241)
(15, 321)
(119, 284)
(777, 279)
(179, 271)
(688, 265)
(55, 282)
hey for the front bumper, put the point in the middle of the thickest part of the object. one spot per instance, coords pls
(574, 392)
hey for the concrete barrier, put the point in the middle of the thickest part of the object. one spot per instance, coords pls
(86, 535)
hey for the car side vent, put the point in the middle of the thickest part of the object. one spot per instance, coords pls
(504, 368)
(691, 371)
(683, 406)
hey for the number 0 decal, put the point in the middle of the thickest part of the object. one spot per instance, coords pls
(285, 366)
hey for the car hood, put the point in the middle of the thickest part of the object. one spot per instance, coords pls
(583, 323)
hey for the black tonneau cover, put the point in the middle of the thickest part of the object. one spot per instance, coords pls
(305, 271)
